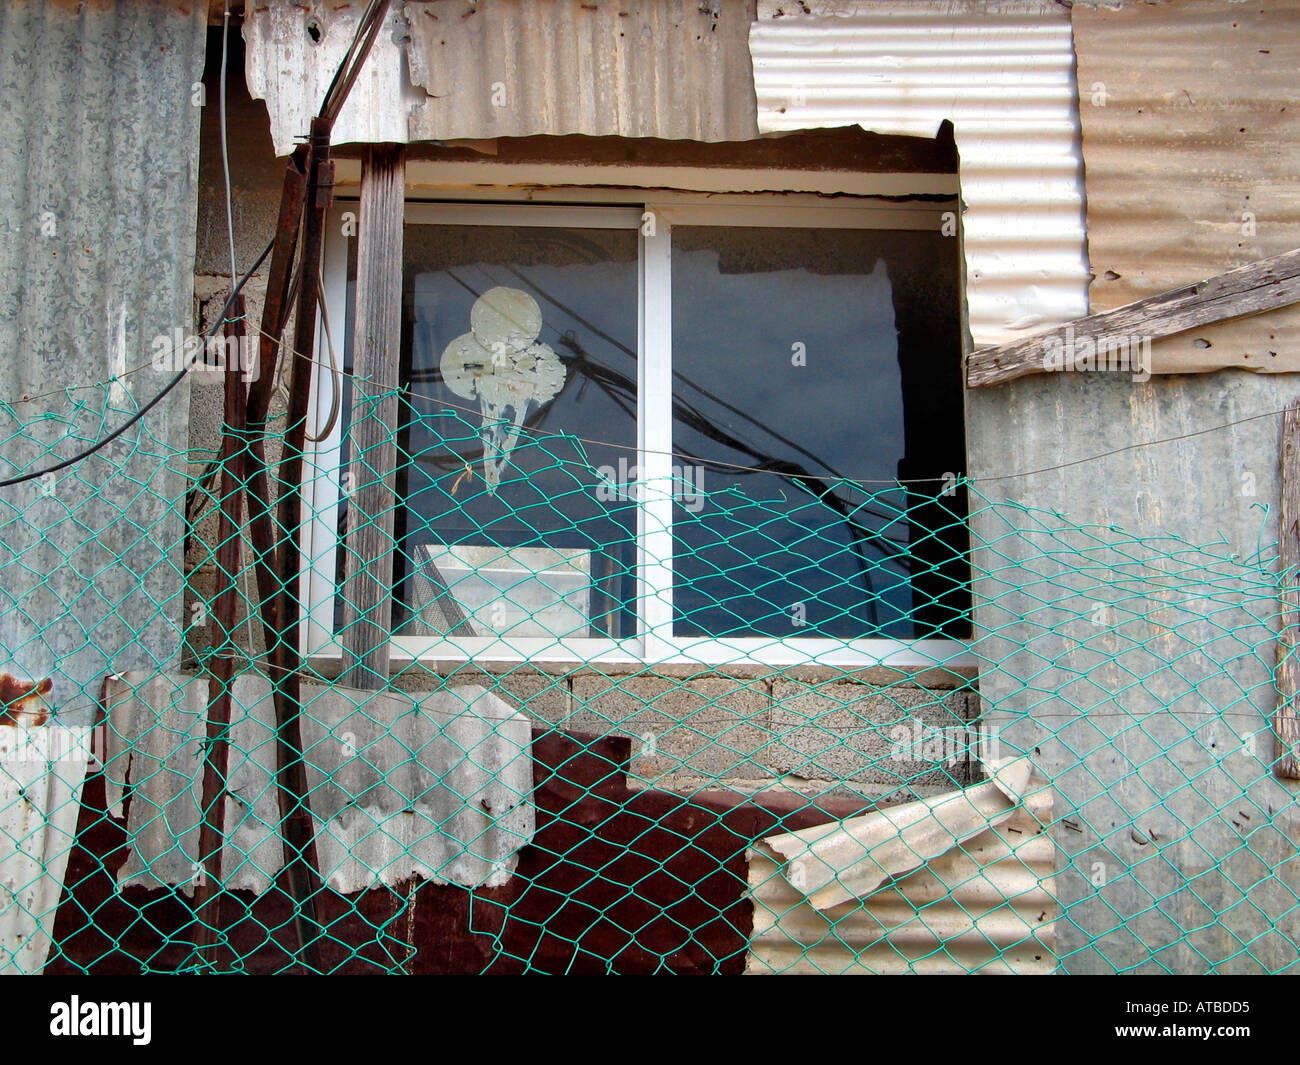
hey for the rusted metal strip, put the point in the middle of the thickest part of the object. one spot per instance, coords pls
(207, 894)
(302, 864)
(1286, 721)
(275, 313)
(290, 778)
(300, 844)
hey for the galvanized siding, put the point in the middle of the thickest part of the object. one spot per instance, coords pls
(98, 168)
(1150, 769)
(40, 796)
(452, 69)
(1004, 74)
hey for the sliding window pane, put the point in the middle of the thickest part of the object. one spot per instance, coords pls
(814, 369)
(519, 347)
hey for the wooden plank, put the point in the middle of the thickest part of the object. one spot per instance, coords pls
(1259, 286)
(368, 539)
(1286, 722)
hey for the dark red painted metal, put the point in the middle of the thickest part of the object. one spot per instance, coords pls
(615, 880)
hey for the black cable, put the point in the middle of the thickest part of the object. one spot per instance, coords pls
(368, 27)
(98, 445)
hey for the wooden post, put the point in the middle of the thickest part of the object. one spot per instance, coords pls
(1286, 723)
(377, 345)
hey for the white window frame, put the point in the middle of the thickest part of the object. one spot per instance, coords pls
(654, 644)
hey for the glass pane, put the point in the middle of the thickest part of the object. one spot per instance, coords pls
(519, 345)
(825, 364)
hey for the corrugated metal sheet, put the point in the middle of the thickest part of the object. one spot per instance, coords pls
(435, 786)
(1163, 184)
(98, 166)
(41, 773)
(986, 905)
(1191, 145)
(290, 69)
(1004, 74)
(455, 69)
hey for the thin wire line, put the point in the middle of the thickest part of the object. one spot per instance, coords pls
(1009, 717)
(739, 468)
(1131, 447)
(336, 384)
(225, 152)
(901, 480)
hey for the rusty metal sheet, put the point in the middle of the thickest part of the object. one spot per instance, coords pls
(1191, 147)
(459, 70)
(435, 786)
(985, 904)
(1004, 74)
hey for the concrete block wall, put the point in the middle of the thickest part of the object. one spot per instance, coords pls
(810, 730)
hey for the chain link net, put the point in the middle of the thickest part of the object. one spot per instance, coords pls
(579, 779)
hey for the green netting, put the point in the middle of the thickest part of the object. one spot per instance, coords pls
(912, 726)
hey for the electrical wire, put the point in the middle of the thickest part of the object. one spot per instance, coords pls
(336, 384)
(341, 84)
(734, 466)
(615, 384)
(202, 483)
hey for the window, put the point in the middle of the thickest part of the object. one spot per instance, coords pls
(712, 431)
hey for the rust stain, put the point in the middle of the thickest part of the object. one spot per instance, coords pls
(23, 702)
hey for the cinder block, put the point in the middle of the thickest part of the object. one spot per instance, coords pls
(710, 727)
(904, 736)
(543, 698)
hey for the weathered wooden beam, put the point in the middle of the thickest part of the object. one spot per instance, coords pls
(1286, 720)
(377, 344)
(1250, 289)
